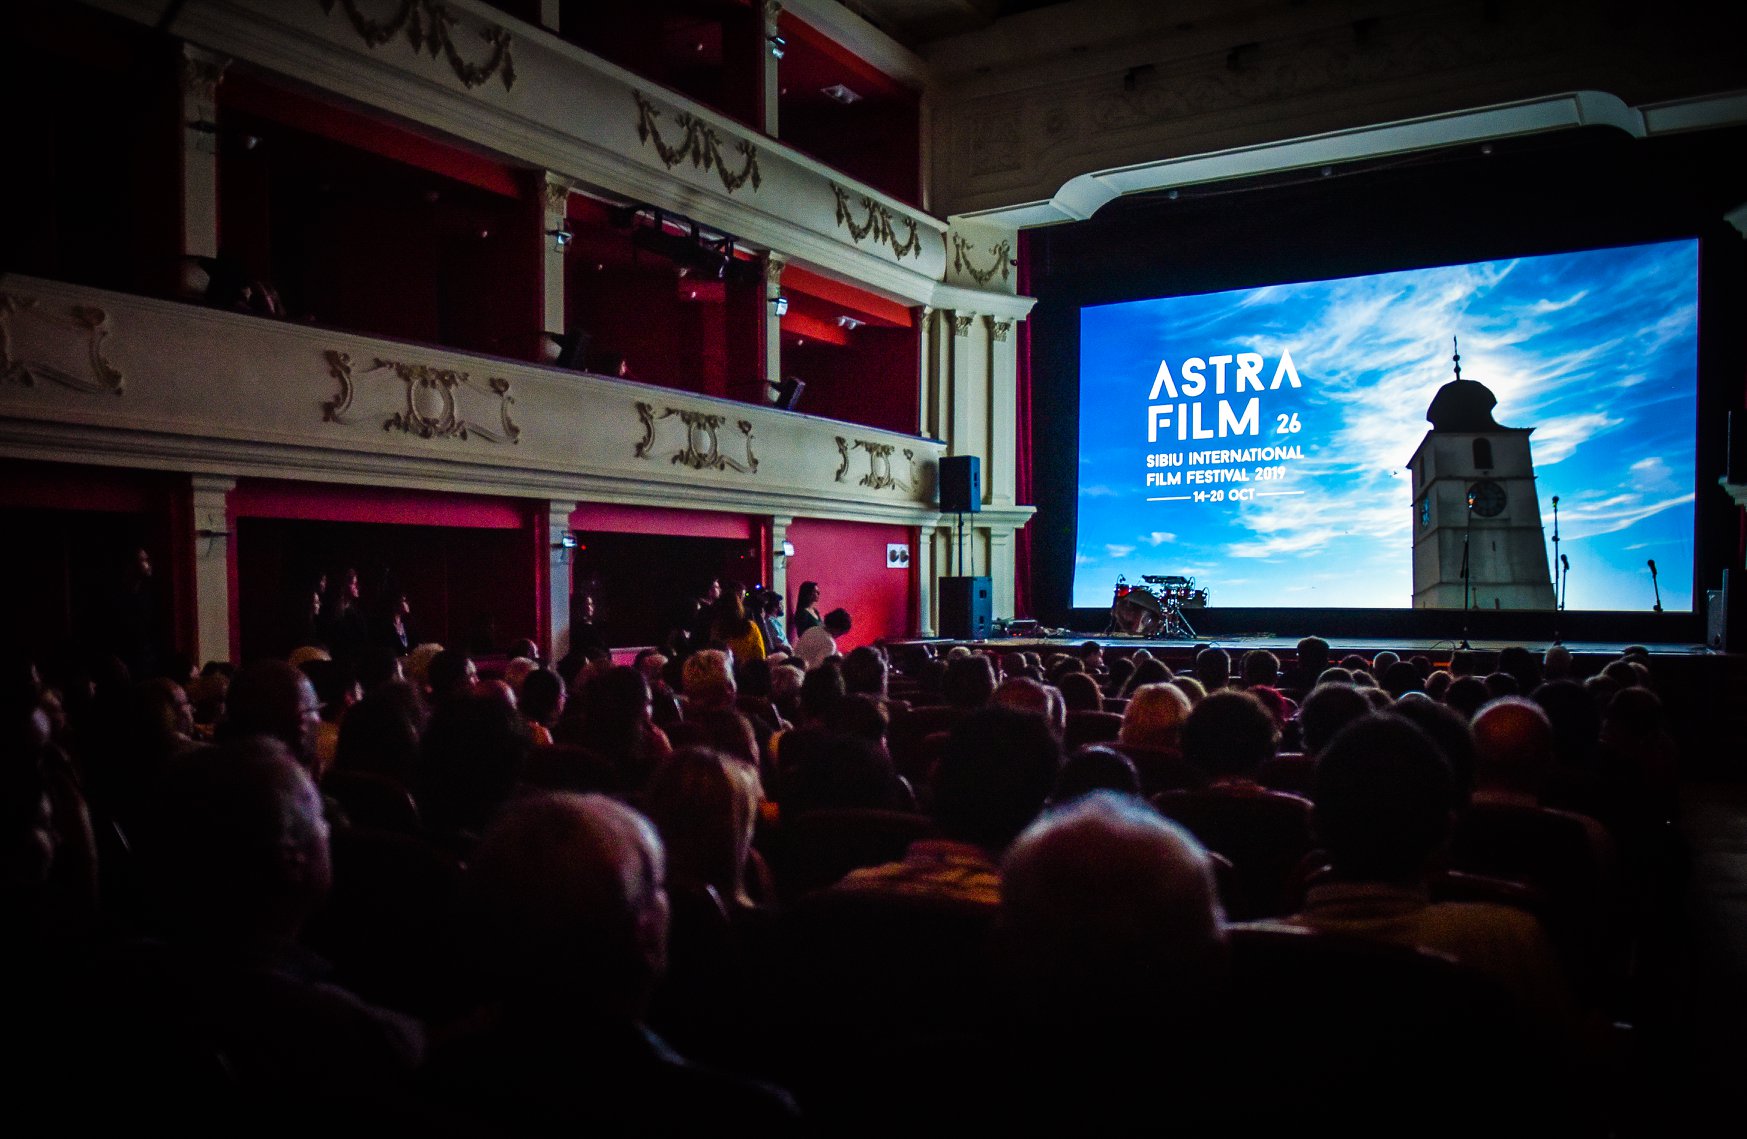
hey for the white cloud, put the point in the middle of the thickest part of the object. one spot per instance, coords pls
(1586, 520)
(1159, 538)
(1118, 551)
(1557, 439)
(1097, 491)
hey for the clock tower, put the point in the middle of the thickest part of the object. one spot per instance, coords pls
(1474, 508)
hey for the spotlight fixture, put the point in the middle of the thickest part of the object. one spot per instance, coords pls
(560, 236)
(849, 323)
(841, 94)
(778, 45)
(788, 548)
(781, 304)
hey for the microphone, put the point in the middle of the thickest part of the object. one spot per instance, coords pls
(1564, 561)
(1555, 500)
(1652, 562)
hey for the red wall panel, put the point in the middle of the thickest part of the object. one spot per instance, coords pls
(848, 560)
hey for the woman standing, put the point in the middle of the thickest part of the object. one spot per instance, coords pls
(806, 610)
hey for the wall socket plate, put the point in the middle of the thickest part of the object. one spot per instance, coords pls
(897, 555)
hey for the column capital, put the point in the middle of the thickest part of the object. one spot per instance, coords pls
(201, 71)
(556, 192)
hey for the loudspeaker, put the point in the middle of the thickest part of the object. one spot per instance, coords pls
(966, 613)
(1735, 467)
(961, 484)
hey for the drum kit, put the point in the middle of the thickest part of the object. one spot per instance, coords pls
(1160, 600)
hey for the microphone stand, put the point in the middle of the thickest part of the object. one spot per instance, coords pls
(1654, 584)
(1565, 579)
(1556, 566)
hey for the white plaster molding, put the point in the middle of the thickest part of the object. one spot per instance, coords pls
(1081, 197)
(573, 113)
(232, 394)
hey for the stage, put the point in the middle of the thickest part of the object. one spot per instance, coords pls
(1440, 651)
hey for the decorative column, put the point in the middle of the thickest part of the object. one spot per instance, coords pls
(772, 68)
(558, 555)
(212, 567)
(925, 578)
(777, 574)
(1000, 569)
(967, 410)
(202, 71)
(773, 333)
(1000, 478)
(556, 200)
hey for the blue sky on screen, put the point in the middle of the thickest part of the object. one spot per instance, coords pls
(1595, 350)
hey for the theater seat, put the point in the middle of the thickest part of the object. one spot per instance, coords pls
(906, 733)
(1162, 769)
(814, 849)
(1289, 771)
(373, 801)
(1365, 1037)
(1264, 833)
(1090, 728)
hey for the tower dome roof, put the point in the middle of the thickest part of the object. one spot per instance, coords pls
(1463, 405)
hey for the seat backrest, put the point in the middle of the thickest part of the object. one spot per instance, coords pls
(1264, 833)
(374, 801)
(1289, 771)
(1327, 1019)
(1085, 727)
(906, 733)
(1162, 769)
(814, 849)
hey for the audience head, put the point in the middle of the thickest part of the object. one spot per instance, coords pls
(1399, 678)
(1383, 662)
(1189, 687)
(825, 771)
(1027, 695)
(705, 805)
(237, 847)
(1230, 734)
(1312, 655)
(1080, 692)
(1261, 667)
(380, 733)
(1328, 709)
(1513, 745)
(808, 595)
(862, 715)
(1213, 668)
(1109, 911)
(273, 698)
(1466, 694)
(451, 675)
(472, 753)
(821, 689)
(1148, 670)
(994, 774)
(542, 697)
(1095, 767)
(864, 670)
(567, 896)
(1448, 729)
(970, 681)
(708, 680)
(1384, 800)
(837, 622)
(1557, 663)
(1155, 716)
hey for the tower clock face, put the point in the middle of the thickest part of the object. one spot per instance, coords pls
(1486, 498)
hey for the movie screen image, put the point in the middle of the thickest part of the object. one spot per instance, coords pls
(1270, 447)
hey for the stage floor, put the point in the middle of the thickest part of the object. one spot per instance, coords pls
(1438, 650)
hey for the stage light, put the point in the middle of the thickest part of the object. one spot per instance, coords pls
(849, 323)
(788, 549)
(840, 93)
(781, 304)
(560, 236)
(778, 45)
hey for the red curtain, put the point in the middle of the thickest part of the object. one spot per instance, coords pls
(1022, 448)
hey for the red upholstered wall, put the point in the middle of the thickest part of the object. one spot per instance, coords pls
(848, 560)
(657, 520)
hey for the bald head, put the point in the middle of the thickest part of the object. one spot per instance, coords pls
(1104, 898)
(568, 895)
(1513, 744)
(1155, 715)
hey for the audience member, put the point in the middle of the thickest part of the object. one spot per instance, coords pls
(566, 898)
(1155, 716)
(998, 767)
(272, 698)
(820, 641)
